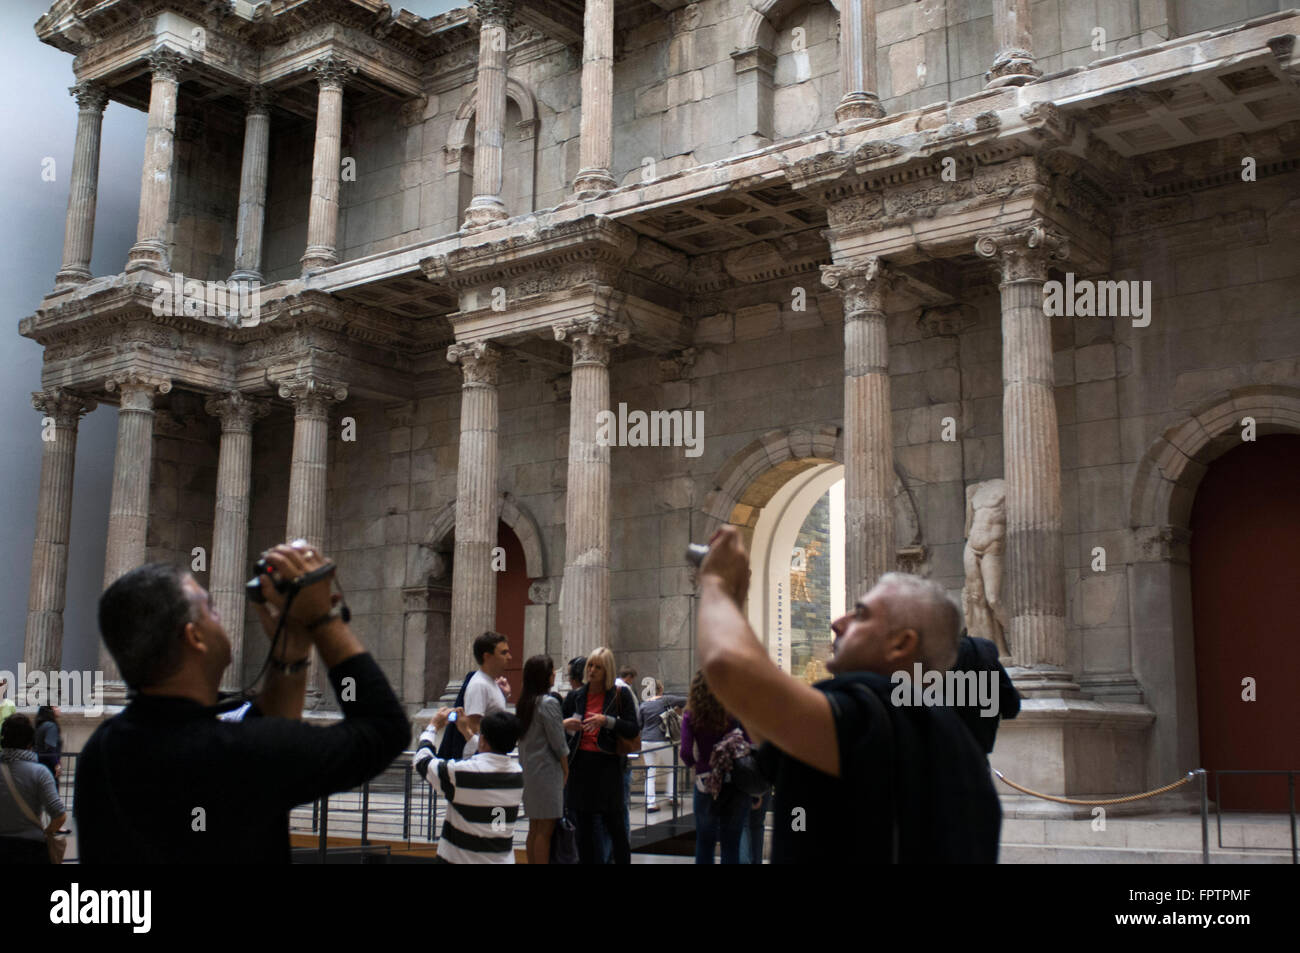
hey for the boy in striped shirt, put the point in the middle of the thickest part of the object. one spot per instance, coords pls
(482, 792)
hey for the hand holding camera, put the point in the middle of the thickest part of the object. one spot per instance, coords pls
(726, 561)
(293, 578)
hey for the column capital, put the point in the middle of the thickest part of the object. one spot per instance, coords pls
(312, 395)
(592, 339)
(1024, 252)
(1012, 67)
(90, 96)
(137, 389)
(331, 71)
(166, 64)
(64, 406)
(495, 12)
(865, 284)
(479, 362)
(237, 410)
(258, 100)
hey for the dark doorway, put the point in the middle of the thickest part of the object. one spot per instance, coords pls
(512, 597)
(1245, 574)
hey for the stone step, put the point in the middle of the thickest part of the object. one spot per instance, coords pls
(1038, 854)
(1240, 833)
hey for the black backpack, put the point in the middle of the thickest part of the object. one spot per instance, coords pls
(453, 742)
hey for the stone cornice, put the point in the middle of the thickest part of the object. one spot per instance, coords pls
(592, 240)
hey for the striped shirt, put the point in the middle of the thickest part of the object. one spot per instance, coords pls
(483, 794)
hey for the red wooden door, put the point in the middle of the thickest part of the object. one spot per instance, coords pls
(512, 596)
(1245, 578)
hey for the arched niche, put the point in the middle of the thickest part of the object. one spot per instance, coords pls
(519, 162)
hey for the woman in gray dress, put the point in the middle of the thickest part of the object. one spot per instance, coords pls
(544, 755)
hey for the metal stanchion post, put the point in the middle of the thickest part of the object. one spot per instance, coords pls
(324, 825)
(1290, 793)
(365, 814)
(1205, 818)
(406, 806)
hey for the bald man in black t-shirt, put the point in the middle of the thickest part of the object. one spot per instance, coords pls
(856, 776)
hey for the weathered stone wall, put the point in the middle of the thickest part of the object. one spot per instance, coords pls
(268, 504)
(205, 196)
(288, 190)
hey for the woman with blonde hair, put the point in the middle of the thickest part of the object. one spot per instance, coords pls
(597, 715)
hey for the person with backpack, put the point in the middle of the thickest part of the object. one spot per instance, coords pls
(864, 777)
(711, 742)
(660, 721)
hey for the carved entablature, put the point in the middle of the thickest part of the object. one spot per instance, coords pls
(777, 258)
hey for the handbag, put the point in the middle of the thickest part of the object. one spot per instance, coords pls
(564, 842)
(56, 846)
(625, 746)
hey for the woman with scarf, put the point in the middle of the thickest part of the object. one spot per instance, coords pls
(26, 788)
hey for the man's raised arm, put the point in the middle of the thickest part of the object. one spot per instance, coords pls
(769, 703)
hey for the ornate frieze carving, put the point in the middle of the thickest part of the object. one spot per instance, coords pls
(1023, 253)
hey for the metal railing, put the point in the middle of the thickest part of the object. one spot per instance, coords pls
(1219, 811)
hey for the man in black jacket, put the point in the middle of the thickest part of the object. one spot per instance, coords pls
(168, 781)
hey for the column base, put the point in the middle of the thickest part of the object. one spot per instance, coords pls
(71, 277)
(318, 257)
(1046, 681)
(1012, 68)
(114, 693)
(245, 275)
(590, 183)
(484, 210)
(150, 254)
(1073, 748)
(857, 106)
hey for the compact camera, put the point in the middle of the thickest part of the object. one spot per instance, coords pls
(283, 586)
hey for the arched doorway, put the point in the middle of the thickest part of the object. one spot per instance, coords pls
(512, 598)
(1245, 560)
(797, 560)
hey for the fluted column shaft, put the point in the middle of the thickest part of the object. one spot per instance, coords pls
(596, 133)
(584, 599)
(869, 549)
(323, 213)
(473, 582)
(43, 648)
(252, 188)
(150, 248)
(83, 188)
(308, 466)
(861, 99)
(230, 521)
(128, 508)
(1035, 561)
(490, 113)
(1013, 64)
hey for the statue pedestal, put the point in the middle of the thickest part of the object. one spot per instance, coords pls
(1074, 747)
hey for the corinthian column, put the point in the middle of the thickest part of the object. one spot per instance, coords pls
(490, 113)
(1035, 560)
(584, 598)
(43, 650)
(311, 398)
(150, 248)
(79, 229)
(1013, 64)
(858, 63)
(473, 583)
(230, 523)
(252, 187)
(128, 509)
(869, 549)
(596, 134)
(323, 215)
